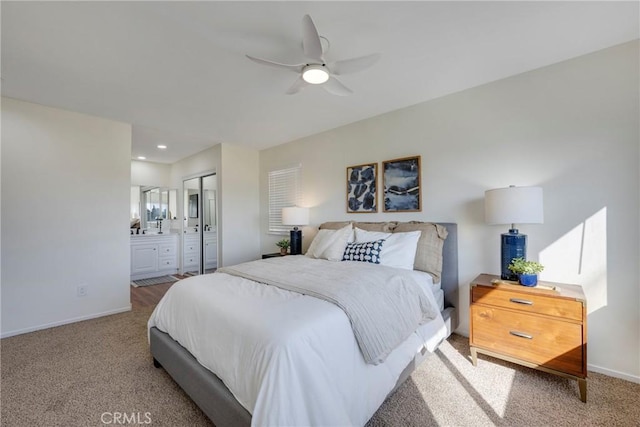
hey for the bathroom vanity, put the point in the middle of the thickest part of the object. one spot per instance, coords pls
(153, 255)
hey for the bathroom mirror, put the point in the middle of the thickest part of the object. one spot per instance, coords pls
(150, 204)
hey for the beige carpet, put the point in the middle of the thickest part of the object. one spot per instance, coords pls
(87, 373)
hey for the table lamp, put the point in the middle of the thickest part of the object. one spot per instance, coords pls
(513, 205)
(295, 216)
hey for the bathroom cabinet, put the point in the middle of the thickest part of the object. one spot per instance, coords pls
(191, 251)
(153, 255)
(210, 250)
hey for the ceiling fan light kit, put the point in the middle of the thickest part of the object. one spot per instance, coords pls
(317, 72)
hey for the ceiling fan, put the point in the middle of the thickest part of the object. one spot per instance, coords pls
(317, 71)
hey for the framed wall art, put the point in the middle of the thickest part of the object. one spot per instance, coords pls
(401, 180)
(362, 188)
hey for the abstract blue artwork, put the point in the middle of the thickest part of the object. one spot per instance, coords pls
(362, 188)
(402, 185)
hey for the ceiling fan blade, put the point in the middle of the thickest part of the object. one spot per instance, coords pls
(311, 40)
(293, 67)
(297, 86)
(354, 65)
(333, 86)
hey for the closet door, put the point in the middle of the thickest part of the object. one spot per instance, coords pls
(209, 214)
(191, 232)
(200, 242)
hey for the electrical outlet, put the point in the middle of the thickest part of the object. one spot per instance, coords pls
(83, 290)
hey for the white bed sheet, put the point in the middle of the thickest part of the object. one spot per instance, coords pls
(435, 287)
(439, 297)
(289, 359)
(427, 284)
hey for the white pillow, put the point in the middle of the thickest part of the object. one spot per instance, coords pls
(363, 236)
(330, 244)
(398, 249)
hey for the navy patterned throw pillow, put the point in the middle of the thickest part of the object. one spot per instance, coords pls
(365, 252)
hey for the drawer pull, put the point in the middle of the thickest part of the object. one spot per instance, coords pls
(521, 335)
(521, 301)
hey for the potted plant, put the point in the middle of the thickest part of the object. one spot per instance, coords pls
(527, 271)
(283, 245)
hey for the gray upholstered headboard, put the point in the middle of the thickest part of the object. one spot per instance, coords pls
(450, 265)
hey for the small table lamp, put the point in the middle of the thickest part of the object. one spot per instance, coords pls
(513, 205)
(295, 216)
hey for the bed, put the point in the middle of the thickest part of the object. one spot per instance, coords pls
(291, 395)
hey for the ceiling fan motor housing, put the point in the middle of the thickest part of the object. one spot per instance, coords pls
(317, 72)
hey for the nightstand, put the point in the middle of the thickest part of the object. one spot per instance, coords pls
(272, 255)
(538, 327)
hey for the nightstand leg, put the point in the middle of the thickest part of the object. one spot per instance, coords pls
(474, 356)
(582, 384)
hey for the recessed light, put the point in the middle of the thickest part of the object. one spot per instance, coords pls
(142, 158)
(162, 147)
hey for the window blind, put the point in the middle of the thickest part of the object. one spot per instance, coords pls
(284, 191)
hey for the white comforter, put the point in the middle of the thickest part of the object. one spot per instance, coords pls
(289, 359)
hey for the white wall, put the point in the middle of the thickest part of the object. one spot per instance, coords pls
(237, 208)
(150, 174)
(571, 128)
(239, 199)
(205, 161)
(65, 216)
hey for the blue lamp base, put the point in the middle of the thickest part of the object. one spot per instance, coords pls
(295, 237)
(513, 245)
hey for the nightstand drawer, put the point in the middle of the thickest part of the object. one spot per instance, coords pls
(544, 341)
(530, 303)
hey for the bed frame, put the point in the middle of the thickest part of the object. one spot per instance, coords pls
(215, 399)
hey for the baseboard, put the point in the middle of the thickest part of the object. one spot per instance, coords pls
(65, 322)
(612, 373)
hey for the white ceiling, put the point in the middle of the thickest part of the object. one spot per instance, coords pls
(177, 70)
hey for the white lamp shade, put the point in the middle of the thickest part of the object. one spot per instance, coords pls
(514, 205)
(295, 216)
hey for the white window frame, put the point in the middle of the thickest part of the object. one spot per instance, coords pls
(284, 191)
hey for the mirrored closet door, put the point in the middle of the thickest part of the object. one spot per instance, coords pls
(210, 233)
(200, 242)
